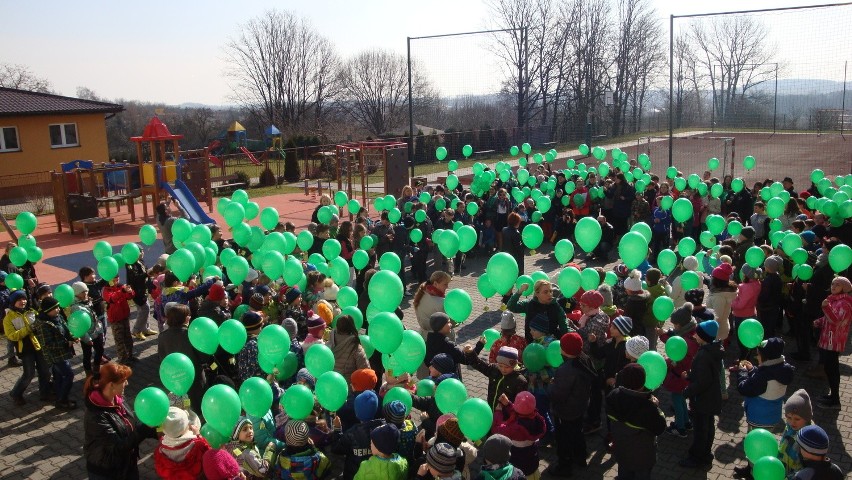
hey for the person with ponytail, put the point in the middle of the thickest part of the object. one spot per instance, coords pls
(430, 299)
(112, 433)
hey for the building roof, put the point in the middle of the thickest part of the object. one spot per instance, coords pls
(15, 102)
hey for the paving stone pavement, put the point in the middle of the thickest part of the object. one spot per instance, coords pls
(39, 442)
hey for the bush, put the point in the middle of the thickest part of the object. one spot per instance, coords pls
(291, 169)
(242, 177)
(267, 179)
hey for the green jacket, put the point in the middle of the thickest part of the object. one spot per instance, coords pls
(504, 472)
(378, 468)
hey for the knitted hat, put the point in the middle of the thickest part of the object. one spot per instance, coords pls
(176, 423)
(330, 293)
(707, 330)
(653, 276)
(216, 293)
(808, 236)
(690, 263)
(385, 438)
(571, 344)
(443, 363)
(292, 328)
(251, 275)
(394, 412)
(751, 272)
(813, 440)
(524, 403)
(507, 321)
(682, 315)
(774, 263)
(437, 321)
(303, 375)
(17, 295)
(364, 379)
(451, 432)
(79, 287)
(799, 404)
(263, 290)
(242, 422)
(747, 232)
(694, 296)
(844, 283)
(48, 304)
(292, 294)
(251, 320)
(295, 433)
(540, 323)
(508, 356)
(723, 272)
(314, 321)
(634, 281)
(219, 464)
(256, 301)
(325, 312)
(593, 298)
(442, 457)
(771, 348)
(636, 346)
(42, 288)
(623, 324)
(621, 270)
(606, 292)
(366, 405)
(497, 449)
(632, 377)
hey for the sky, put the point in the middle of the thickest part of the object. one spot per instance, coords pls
(173, 51)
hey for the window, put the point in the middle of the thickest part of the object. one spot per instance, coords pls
(63, 135)
(9, 139)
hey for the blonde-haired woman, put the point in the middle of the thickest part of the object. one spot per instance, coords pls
(324, 201)
(542, 303)
(430, 299)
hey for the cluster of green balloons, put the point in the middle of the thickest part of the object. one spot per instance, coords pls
(26, 250)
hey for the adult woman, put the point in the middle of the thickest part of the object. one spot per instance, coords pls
(791, 213)
(165, 221)
(324, 201)
(622, 195)
(18, 328)
(405, 196)
(348, 353)
(347, 248)
(175, 339)
(513, 244)
(112, 434)
(541, 303)
(497, 209)
(430, 299)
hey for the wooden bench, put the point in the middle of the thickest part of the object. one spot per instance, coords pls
(96, 224)
(226, 182)
(483, 153)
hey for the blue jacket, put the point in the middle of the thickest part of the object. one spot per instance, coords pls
(764, 389)
(665, 221)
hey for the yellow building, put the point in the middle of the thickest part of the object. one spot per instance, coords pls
(38, 131)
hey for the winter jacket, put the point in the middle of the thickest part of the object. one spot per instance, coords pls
(18, 328)
(569, 389)
(623, 196)
(649, 319)
(137, 278)
(513, 245)
(428, 305)
(664, 225)
(764, 388)
(264, 430)
(430, 406)
(598, 323)
(498, 384)
(770, 293)
(524, 432)
(116, 298)
(112, 437)
(819, 470)
(354, 445)
(54, 337)
(180, 459)
(379, 468)
(721, 301)
(506, 471)
(636, 308)
(438, 343)
(558, 323)
(636, 422)
(745, 302)
(251, 461)
(613, 355)
(176, 340)
(213, 311)
(703, 390)
(300, 463)
(788, 451)
(183, 295)
(348, 353)
(835, 324)
(818, 287)
(674, 381)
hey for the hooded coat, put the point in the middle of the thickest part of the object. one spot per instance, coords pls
(636, 422)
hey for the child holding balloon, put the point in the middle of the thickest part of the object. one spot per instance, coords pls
(56, 347)
(116, 296)
(834, 333)
(679, 362)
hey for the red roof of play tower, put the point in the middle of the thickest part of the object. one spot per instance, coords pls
(156, 130)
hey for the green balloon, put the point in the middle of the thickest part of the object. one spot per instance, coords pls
(441, 153)
(467, 238)
(676, 348)
(682, 209)
(666, 202)
(475, 417)
(151, 406)
(101, 249)
(707, 239)
(130, 253)
(234, 214)
(839, 258)
(148, 234)
(502, 270)
(737, 185)
(319, 359)
(590, 279)
(535, 357)
(644, 229)
(221, 408)
(611, 278)
(564, 251)
(240, 196)
(369, 349)
(79, 323)
(232, 335)
(331, 390)
(680, 183)
(526, 148)
(107, 268)
(760, 443)
(750, 333)
(483, 284)
(769, 468)
(754, 257)
(340, 198)
(689, 280)
(570, 279)
(748, 162)
(803, 271)
(213, 437)
(532, 236)
(667, 261)
(18, 256)
(655, 369)
(182, 264)
(448, 243)
(425, 388)
(331, 249)
(411, 352)
(305, 240)
(64, 294)
(450, 395)
(583, 148)
(360, 259)
(491, 335)
(686, 246)
(273, 343)
(735, 228)
(554, 355)
(715, 224)
(256, 396)
(458, 305)
(298, 402)
(386, 331)
(588, 233)
(269, 217)
(177, 373)
(467, 151)
(390, 262)
(632, 248)
(403, 396)
(775, 207)
(14, 281)
(203, 335)
(713, 164)
(663, 307)
(26, 222)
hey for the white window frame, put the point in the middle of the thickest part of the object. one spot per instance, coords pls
(64, 143)
(3, 147)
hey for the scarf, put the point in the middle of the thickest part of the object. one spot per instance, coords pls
(685, 330)
(432, 290)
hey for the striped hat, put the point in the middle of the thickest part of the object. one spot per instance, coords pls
(508, 356)
(623, 324)
(813, 440)
(394, 412)
(442, 457)
(295, 433)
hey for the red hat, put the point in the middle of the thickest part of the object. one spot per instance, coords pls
(216, 293)
(592, 298)
(723, 272)
(364, 379)
(575, 315)
(571, 344)
(219, 465)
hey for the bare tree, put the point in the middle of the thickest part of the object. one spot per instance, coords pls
(283, 71)
(736, 58)
(374, 89)
(22, 78)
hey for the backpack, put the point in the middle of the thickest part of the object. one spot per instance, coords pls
(310, 464)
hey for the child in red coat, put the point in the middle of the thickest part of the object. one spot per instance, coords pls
(833, 335)
(179, 455)
(675, 381)
(524, 426)
(116, 296)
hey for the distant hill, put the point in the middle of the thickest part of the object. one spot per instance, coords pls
(803, 86)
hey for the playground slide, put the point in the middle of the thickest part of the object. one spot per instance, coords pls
(188, 204)
(250, 155)
(216, 161)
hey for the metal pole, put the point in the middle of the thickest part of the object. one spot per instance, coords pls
(775, 112)
(410, 117)
(843, 108)
(671, 88)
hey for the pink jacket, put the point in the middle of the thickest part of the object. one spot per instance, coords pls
(835, 323)
(746, 300)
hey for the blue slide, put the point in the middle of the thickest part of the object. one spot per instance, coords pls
(187, 202)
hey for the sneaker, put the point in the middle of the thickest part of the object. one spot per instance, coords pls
(14, 362)
(140, 336)
(150, 332)
(673, 430)
(66, 405)
(589, 429)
